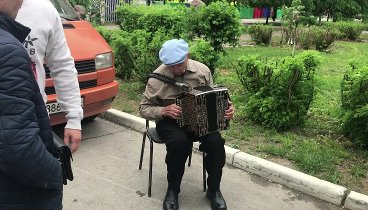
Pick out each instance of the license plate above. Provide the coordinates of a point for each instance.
(54, 107)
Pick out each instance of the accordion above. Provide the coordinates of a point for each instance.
(203, 110)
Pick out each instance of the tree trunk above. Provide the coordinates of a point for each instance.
(274, 13)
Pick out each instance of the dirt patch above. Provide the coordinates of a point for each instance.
(354, 180)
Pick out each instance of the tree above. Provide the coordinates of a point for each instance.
(337, 9)
(309, 6)
(290, 20)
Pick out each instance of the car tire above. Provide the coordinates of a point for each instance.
(90, 118)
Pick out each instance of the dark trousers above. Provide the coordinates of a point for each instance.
(178, 147)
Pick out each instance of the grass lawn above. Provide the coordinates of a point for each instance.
(316, 148)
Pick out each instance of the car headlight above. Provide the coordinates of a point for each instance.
(103, 61)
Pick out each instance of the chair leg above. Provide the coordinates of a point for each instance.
(150, 169)
(204, 172)
(142, 150)
(190, 157)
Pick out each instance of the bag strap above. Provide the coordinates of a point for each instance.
(183, 86)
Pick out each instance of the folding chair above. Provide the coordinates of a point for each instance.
(154, 138)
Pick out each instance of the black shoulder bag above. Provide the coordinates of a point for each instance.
(63, 153)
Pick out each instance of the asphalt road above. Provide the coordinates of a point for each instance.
(107, 177)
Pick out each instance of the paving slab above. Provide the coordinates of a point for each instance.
(107, 177)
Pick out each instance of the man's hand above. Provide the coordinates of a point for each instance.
(173, 111)
(229, 112)
(72, 138)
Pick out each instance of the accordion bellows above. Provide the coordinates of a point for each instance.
(203, 110)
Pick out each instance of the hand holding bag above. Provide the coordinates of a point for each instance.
(63, 153)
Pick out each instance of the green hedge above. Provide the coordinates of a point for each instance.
(217, 24)
(354, 99)
(136, 52)
(349, 30)
(316, 37)
(152, 18)
(202, 51)
(307, 21)
(260, 34)
(279, 93)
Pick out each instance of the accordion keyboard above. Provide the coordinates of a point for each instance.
(203, 111)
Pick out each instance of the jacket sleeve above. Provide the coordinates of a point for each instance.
(62, 70)
(150, 107)
(23, 155)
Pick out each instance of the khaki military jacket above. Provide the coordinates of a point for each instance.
(159, 94)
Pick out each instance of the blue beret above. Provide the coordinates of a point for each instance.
(174, 51)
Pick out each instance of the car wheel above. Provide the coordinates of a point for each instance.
(90, 118)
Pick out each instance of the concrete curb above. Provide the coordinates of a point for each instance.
(307, 184)
(294, 179)
(356, 201)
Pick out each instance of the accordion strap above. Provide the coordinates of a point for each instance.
(183, 86)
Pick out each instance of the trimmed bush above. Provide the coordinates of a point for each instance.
(307, 21)
(108, 35)
(217, 23)
(260, 34)
(316, 37)
(152, 18)
(348, 30)
(354, 99)
(202, 51)
(136, 53)
(324, 38)
(305, 38)
(278, 94)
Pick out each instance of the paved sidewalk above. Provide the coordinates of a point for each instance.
(307, 184)
(260, 20)
(107, 177)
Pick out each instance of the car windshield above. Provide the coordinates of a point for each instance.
(65, 10)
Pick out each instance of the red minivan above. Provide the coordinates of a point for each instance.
(94, 61)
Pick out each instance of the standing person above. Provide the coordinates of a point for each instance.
(274, 13)
(30, 177)
(47, 44)
(158, 104)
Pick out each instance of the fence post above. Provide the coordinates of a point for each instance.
(102, 11)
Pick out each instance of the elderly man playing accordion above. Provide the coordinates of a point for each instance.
(158, 104)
